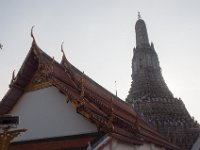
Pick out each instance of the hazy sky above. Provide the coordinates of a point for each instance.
(99, 37)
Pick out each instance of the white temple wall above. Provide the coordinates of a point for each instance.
(115, 145)
(45, 114)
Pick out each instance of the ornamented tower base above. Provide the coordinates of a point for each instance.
(152, 99)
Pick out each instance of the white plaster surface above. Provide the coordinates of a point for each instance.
(116, 145)
(45, 114)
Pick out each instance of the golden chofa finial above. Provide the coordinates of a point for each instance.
(32, 33)
(64, 59)
(139, 15)
(62, 49)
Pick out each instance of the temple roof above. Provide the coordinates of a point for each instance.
(108, 112)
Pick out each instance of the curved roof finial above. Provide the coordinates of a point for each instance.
(62, 48)
(32, 33)
(139, 15)
(64, 60)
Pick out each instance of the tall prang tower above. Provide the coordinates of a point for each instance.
(152, 99)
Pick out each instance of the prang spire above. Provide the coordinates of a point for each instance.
(151, 98)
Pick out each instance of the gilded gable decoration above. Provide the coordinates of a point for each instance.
(40, 79)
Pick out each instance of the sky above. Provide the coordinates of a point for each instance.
(99, 37)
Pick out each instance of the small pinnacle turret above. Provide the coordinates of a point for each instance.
(152, 99)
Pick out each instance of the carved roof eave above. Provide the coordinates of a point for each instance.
(97, 108)
(18, 83)
(96, 104)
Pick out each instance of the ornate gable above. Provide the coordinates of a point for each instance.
(39, 80)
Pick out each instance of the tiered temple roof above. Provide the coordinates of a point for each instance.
(152, 99)
(111, 115)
